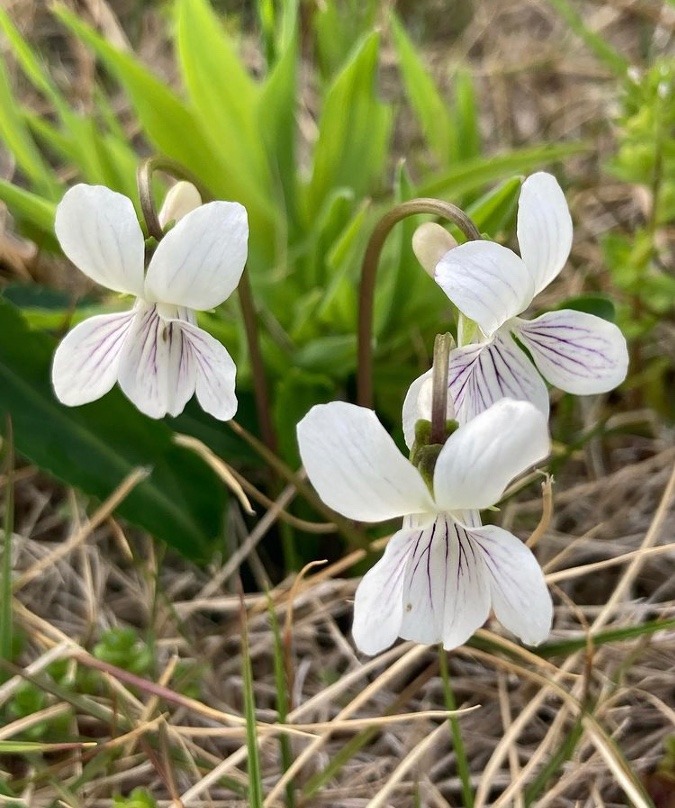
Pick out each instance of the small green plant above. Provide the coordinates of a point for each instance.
(123, 648)
(139, 798)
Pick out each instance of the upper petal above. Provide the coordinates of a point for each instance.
(98, 230)
(446, 592)
(215, 372)
(355, 466)
(544, 228)
(199, 262)
(520, 597)
(487, 282)
(479, 375)
(157, 371)
(576, 351)
(378, 602)
(86, 362)
(479, 460)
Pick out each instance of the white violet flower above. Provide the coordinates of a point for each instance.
(156, 351)
(443, 571)
(575, 351)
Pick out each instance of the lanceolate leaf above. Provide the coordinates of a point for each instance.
(95, 446)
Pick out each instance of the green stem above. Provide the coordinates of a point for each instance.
(6, 579)
(460, 751)
(439, 401)
(260, 389)
(369, 267)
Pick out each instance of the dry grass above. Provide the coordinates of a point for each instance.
(608, 552)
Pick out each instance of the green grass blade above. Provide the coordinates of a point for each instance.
(255, 790)
(28, 207)
(463, 769)
(600, 47)
(466, 116)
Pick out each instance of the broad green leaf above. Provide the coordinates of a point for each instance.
(95, 446)
(475, 174)
(295, 395)
(276, 123)
(221, 89)
(335, 355)
(354, 130)
(431, 109)
(596, 304)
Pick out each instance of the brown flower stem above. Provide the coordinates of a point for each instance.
(260, 388)
(439, 401)
(436, 207)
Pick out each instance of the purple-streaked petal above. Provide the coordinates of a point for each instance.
(481, 374)
(446, 594)
(215, 372)
(520, 598)
(98, 230)
(544, 228)
(157, 371)
(355, 466)
(481, 458)
(417, 405)
(199, 262)
(378, 602)
(576, 351)
(487, 282)
(87, 360)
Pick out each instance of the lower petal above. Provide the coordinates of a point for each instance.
(520, 598)
(446, 593)
(157, 370)
(215, 373)
(481, 374)
(576, 351)
(86, 362)
(378, 603)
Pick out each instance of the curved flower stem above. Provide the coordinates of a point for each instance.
(144, 180)
(436, 207)
(439, 401)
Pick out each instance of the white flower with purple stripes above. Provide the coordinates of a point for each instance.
(492, 286)
(443, 571)
(156, 351)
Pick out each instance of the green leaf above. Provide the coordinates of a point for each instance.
(28, 207)
(465, 109)
(354, 130)
(596, 304)
(18, 139)
(473, 175)
(297, 392)
(495, 209)
(94, 447)
(431, 108)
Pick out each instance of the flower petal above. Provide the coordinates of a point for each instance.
(199, 262)
(98, 230)
(215, 372)
(487, 282)
(479, 375)
(87, 360)
(576, 351)
(479, 460)
(378, 602)
(446, 590)
(520, 597)
(355, 466)
(157, 371)
(544, 228)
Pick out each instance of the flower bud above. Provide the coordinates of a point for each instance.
(430, 242)
(182, 198)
